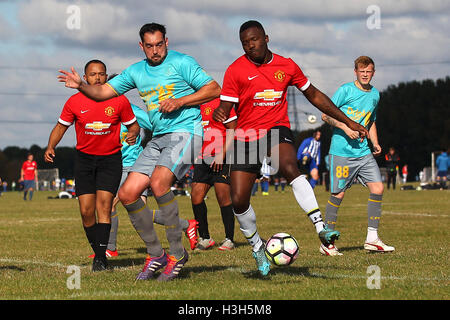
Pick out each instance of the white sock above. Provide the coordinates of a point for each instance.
(247, 222)
(372, 234)
(306, 198)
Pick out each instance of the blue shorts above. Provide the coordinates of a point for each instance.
(313, 165)
(442, 174)
(29, 184)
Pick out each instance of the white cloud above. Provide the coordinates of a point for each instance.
(322, 36)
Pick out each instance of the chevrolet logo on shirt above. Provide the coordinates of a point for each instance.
(268, 95)
(97, 126)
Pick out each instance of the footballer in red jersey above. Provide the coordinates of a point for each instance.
(97, 124)
(98, 160)
(28, 176)
(209, 171)
(256, 86)
(259, 92)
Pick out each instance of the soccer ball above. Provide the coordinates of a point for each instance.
(312, 118)
(282, 249)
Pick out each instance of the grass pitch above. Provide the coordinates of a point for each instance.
(41, 240)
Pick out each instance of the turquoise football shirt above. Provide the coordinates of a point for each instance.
(360, 106)
(131, 153)
(177, 76)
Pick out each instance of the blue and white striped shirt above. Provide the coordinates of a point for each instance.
(311, 147)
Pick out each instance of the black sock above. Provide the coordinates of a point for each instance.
(228, 221)
(91, 234)
(201, 215)
(103, 231)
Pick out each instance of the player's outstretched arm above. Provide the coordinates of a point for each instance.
(55, 137)
(222, 112)
(97, 93)
(208, 92)
(324, 104)
(333, 122)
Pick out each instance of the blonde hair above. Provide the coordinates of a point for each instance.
(364, 61)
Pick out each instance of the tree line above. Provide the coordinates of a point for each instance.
(413, 117)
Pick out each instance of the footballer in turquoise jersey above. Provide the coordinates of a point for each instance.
(361, 107)
(131, 152)
(179, 75)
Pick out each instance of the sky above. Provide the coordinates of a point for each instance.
(408, 40)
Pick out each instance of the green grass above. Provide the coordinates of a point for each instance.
(41, 238)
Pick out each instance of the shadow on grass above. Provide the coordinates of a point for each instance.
(351, 248)
(14, 268)
(288, 270)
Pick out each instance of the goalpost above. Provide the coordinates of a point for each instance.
(47, 178)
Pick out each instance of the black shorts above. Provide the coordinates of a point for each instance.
(248, 156)
(94, 173)
(203, 173)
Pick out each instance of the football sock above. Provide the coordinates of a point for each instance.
(265, 186)
(91, 235)
(103, 230)
(254, 189)
(306, 198)
(169, 209)
(30, 194)
(228, 221)
(141, 218)
(331, 212)
(313, 182)
(372, 234)
(201, 215)
(374, 216)
(247, 222)
(113, 234)
(159, 219)
(25, 195)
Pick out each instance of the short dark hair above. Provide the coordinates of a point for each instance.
(93, 61)
(152, 28)
(251, 24)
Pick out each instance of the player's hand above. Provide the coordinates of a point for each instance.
(71, 79)
(376, 150)
(363, 133)
(351, 134)
(220, 115)
(217, 164)
(130, 139)
(49, 155)
(169, 105)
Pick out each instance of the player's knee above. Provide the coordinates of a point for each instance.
(125, 195)
(377, 188)
(239, 205)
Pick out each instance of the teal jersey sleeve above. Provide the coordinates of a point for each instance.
(123, 82)
(193, 73)
(339, 97)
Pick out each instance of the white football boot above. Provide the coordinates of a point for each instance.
(329, 250)
(378, 246)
